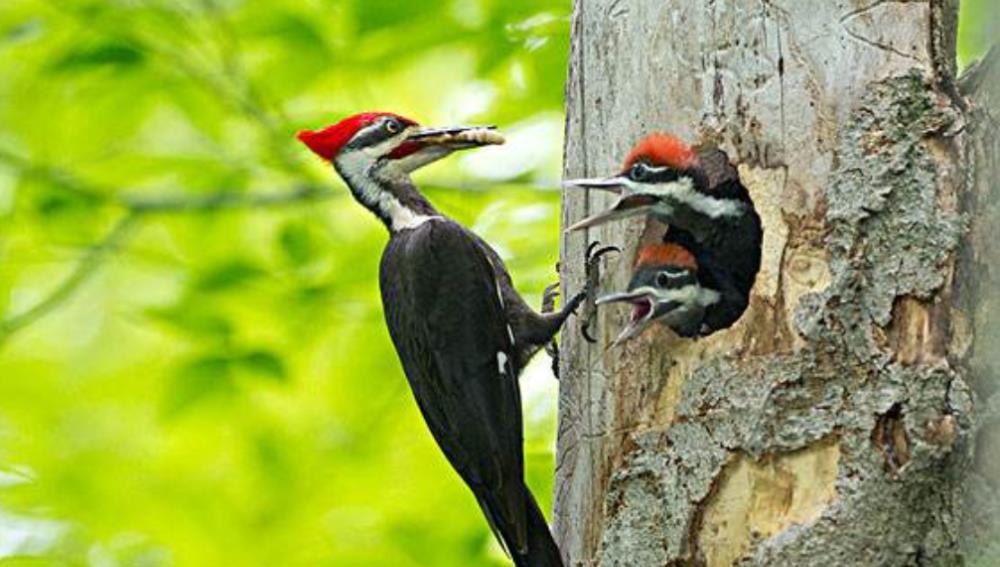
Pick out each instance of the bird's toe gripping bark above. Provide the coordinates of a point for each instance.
(549, 306)
(587, 296)
(549, 298)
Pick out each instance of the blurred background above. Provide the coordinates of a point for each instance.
(193, 364)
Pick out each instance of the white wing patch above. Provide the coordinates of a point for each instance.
(501, 362)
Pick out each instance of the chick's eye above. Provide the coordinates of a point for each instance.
(639, 172)
(392, 126)
(662, 279)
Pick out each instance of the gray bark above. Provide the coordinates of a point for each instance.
(845, 419)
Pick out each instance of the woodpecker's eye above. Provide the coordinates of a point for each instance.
(392, 126)
(639, 172)
(662, 279)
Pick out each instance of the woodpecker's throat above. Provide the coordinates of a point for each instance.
(385, 191)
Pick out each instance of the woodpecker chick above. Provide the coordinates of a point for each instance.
(462, 332)
(665, 288)
(698, 192)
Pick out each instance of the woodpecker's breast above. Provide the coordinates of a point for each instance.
(437, 281)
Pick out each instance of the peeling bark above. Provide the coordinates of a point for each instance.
(839, 421)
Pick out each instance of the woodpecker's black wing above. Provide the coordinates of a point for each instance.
(446, 319)
(715, 275)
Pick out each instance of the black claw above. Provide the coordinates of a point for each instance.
(594, 254)
(593, 257)
(552, 349)
(549, 298)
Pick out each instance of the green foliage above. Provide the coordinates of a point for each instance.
(978, 29)
(194, 368)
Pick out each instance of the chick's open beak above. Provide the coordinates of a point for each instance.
(627, 206)
(648, 305)
(612, 184)
(643, 308)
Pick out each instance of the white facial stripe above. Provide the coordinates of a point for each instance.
(354, 166)
(674, 273)
(385, 147)
(682, 191)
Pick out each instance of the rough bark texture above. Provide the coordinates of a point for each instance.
(837, 423)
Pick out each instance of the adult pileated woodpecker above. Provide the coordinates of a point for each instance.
(698, 193)
(461, 330)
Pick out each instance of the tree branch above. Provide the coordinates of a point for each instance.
(85, 268)
(226, 200)
(118, 236)
(54, 176)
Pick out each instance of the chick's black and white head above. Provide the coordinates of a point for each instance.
(663, 176)
(664, 288)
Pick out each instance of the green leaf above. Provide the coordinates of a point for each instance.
(230, 274)
(296, 243)
(265, 364)
(109, 54)
(194, 320)
(197, 381)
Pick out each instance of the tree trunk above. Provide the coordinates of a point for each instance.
(837, 422)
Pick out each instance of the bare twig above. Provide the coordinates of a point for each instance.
(118, 236)
(85, 269)
(54, 176)
(229, 83)
(227, 200)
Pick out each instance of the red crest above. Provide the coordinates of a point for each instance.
(662, 150)
(327, 143)
(666, 255)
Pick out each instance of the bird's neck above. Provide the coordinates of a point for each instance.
(390, 196)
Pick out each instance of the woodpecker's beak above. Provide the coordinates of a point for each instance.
(456, 137)
(646, 308)
(625, 207)
(422, 146)
(612, 184)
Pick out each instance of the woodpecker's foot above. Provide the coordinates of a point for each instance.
(552, 349)
(548, 307)
(549, 298)
(593, 273)
(594, 254)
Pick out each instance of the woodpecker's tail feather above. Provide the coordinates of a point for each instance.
(540, 549)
